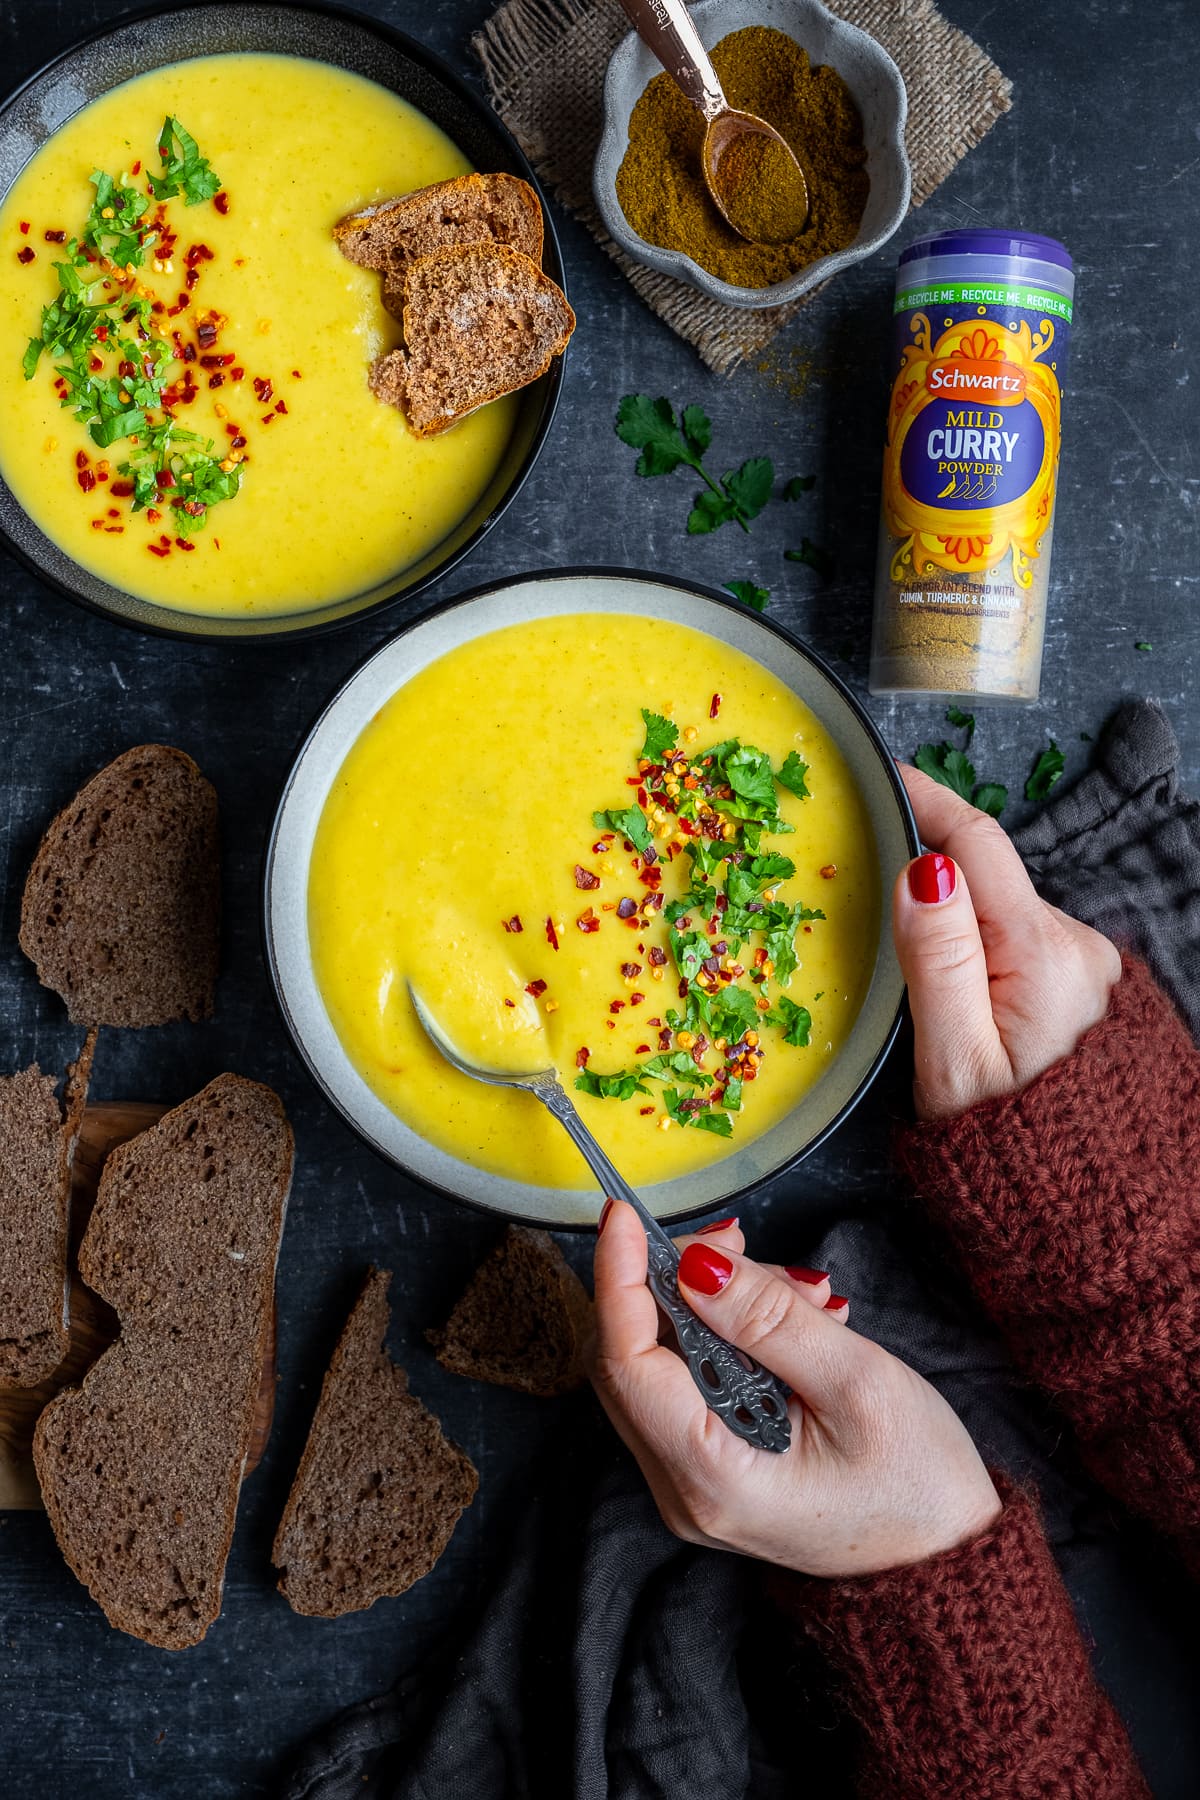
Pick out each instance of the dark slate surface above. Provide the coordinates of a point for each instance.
(1102, 149)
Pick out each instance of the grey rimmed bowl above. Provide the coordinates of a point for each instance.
(872, 78)
(348, 40)
(289, 853)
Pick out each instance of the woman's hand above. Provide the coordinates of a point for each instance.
(880, 1471)
(1000, 984)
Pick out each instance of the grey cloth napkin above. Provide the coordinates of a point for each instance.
(614, 1663)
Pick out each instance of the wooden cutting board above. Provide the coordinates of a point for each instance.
(93, 1323)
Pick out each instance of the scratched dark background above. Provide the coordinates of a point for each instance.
(1103, 150)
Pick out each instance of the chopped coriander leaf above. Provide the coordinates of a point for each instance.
(684, 1114)
(990, 797)
(964, 721)
(1045, 772)
(1143, 646)
(185, 171)
(746, 880)
(796, 1022)
(677, 1064)
(799, 484)
(630, 822)
(707, 856)
(622, 1086)
(113, 226)
(731, 1094)
(661, 735)
(750, 594)
(733, 1013)
(690, 950)
(792, 774)
(813, 557)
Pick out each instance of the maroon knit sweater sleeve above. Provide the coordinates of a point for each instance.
(1075, 1206)
(968, 1675)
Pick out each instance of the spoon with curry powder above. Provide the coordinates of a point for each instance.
(751, 173)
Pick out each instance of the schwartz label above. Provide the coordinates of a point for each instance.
(973, 436)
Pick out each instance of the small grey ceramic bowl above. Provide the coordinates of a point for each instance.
(289, 853)
(868, 71)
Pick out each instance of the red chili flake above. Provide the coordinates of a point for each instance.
(206, 334)
(633, 781)
(137, 167)
(157, 550)
(55, 237)
(184, 544)
(630, 970)
(153, 515)
(658, 956)
(97, 524)
(585, 879)
(239, 442)
(649, 855)
(181, 305)
(610, 1024)
(239, 374)
(655, 1022)
(188, 353)
(24, 227)
(110, 530)
(587, 921)
(616, 1006)
(26, 255)
(581, 1056)
(216, 543)
(536, 988)
(714, 706)
(86, 480)
(654, 902)
(166, 541)
(157, 308)
(636, 999)
(829, 871)
(626, 908)
(267, 419)
(165, 479)
(683, 987)
(760, 957)
(808, 931)
(191, 278)
(513, 924)
(646, 1112)
(643, 798)
(114, 512)
(264, 389)
(281, 407)
(651, 877)
(511, 1003)
(296, 375)
(599, 848)
(221, 202)
(664, 1038)
(551, 934)
(81, 459)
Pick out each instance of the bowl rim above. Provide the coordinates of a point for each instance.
(575, 571)
(443, 72)
(681, 266)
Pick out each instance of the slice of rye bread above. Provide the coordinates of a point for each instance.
(141, 1466)
(121, 908)
(379, 1489)
(471, 209)
(523, 1320)
(480, 320)
(37, 1145)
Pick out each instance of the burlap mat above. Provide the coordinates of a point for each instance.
(545, 63)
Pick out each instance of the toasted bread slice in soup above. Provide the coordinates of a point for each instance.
(379, 1489)
(121, 910)
(37, 1145)
(479, 321)
(471, 209)
(523, 1321)
(140, 1467)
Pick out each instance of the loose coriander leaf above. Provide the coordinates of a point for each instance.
(719, 1123)
(734, 1013)
(799, 484)
(697, 429)
(622, 1086)
(185, 171)
(948, 766)
(32, 357)
(991, 798)
(731, 1094)
(750, 486)
(749, 774)
(649, 426)
(1046, 771)
(964, 721)
(750, 594)
(792, 774)
(678, 1064)
(690, 949)
(1143, 646)
(709, 512)
(796, 1022)
(630, 822)
(661, 735)
(813, 556)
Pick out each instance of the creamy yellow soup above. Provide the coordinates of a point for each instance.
(337, 495)
(450, 839)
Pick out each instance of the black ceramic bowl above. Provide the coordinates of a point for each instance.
(347, 40)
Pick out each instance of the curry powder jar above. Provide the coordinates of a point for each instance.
(970, 469)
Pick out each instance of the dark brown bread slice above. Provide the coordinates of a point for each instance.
(122, 905)
(141, 1466)
(523, 1321)
(379, 1489)
(480, 320)
(37, 1143)
(472, 209)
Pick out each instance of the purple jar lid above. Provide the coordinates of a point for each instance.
(1028, 244)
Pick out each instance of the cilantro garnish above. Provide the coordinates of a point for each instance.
(1045, 772)
(631, 823)
(1143, 646)
(185, 171)
(113, 226)
(813, 557)
(622, 1086)
(697, 1113)
(661, 735)
(749, 594)
(792, 775)
(667, 443)
(796, 1021)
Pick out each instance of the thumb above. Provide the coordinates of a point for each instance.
(958, 1052)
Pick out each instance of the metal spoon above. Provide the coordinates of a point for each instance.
(666, 27)
(744, 1395)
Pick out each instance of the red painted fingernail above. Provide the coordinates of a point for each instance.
(813, 1277)
(719, 1225)
(931, 878)
(604, 1212)
(704, 1269)
(835, 1302)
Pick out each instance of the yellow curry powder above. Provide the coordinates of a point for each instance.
(660, 183)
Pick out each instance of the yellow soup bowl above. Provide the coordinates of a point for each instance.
(268, 331)
(449, 823)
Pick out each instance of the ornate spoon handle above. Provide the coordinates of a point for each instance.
(746, 1397)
